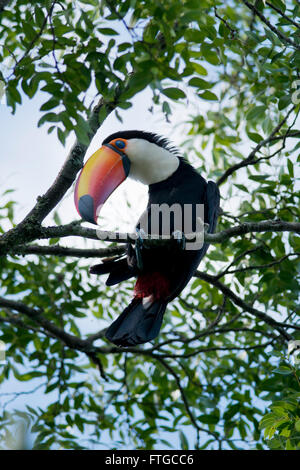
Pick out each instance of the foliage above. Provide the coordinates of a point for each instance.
(220, 359)
(281, 425)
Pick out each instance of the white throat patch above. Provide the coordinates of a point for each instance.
(150, 163)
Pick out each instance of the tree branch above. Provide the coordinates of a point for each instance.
(58, 250)
(282, 14)
(233, 31)
(209, 332)
(69, 340)
(37, 316)
(248, 308)
(3, 4)
(283, 38)
(121, 237)
(250, 160)
(36, 37)
(74, 229)
(257, 266)
(215, 348)
(184, 398)
(13, 319)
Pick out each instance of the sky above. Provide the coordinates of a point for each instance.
(31, 158)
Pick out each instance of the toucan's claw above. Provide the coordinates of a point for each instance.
(139, 243)
(179, 238)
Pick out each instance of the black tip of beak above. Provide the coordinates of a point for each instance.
(86, 208)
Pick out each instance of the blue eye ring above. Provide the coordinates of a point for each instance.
(120, 144)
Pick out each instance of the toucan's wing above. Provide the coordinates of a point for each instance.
(191, 259)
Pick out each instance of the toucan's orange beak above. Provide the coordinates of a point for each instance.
(101, 175)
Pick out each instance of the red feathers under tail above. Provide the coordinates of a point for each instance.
(152, 284)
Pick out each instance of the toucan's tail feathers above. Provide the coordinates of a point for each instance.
(137, 324)
(108, 266)
(118, 271)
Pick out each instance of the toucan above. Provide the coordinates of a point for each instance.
(164, 270)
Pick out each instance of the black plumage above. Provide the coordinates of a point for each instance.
(140, 323)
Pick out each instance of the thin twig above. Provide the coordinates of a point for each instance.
(281, 13)
(250, 160)
(283, 38)
(257, 266)
(248, 308)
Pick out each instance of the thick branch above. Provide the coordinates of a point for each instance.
(121, 237)
(58, 250)
(253, 227)
(37, 316)
(16, 321)
(74, 229)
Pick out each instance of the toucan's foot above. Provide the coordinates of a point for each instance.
(139, 243)
(179, 238)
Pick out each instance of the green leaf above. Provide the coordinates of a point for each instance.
(52, 103)
(48, 117)
(183, 441)
(284, 101)
(57, 218)
(173, 93)
(198, 68)
(255, 137)
(255, 113)
(209, 54)
(209, 96)
(297, 425)
(39, 16)
(108, 31)
(208, 419)
(283, 370)
(61, 136)
(290, 168)
(267, 125)
(200, 83)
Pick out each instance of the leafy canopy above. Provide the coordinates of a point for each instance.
(219, 375)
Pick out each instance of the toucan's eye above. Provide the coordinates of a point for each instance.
(120, 144)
